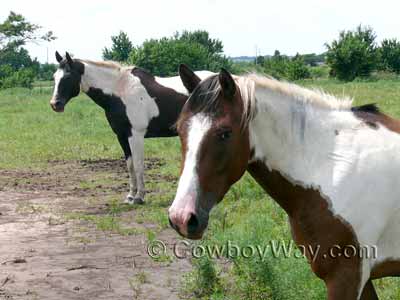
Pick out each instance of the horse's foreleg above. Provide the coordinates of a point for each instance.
(136, 143)
(347, 285)
(124, 142)
(132, 179)
(342, 289)
(369, 292)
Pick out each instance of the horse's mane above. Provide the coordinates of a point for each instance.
(315, 97)
(106, 64)
(206, 94)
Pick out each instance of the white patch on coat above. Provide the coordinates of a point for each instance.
(325, 147)
(176, 84)
(58, 75)
(188, 182)
(120, 82)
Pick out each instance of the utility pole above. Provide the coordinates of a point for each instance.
(256, 54)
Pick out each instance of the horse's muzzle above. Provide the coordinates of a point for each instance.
(57, 105)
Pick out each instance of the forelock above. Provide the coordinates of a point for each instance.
(77, 65)
(205, 96)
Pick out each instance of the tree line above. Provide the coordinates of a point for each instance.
(355, 53)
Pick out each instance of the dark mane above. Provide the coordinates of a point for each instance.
(371, 108)
(205, 95)
(142, 73)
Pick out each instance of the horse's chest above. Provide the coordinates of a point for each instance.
(119, 123)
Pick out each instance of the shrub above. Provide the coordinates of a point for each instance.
(163, 57)
(46, 71)
(297, 69)
(276, 65)
(389, 54)
(319, 71)
(280, 66)
(353, 54)
(20, 78)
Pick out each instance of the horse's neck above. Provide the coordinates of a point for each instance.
(296, 138)
(103, 78)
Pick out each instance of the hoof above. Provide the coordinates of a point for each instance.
(138, 200)
(129, 200)
(133, 200)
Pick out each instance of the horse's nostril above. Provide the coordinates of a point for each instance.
(192, 224)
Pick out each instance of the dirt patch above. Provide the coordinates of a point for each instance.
(46, 255)
(83, 178)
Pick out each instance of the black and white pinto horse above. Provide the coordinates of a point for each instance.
(137, 105)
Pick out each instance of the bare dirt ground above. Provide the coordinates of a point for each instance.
(46, 255)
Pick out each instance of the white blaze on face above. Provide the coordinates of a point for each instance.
(57, 78)
(188, 182)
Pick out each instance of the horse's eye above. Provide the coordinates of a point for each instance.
(225, 135)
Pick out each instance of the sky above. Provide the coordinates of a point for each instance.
(84, 27)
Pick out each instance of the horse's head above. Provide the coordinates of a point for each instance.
(215, 149)
(67, 80)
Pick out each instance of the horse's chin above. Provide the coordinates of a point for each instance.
(197, 236)
(191, 235)
(58, 109)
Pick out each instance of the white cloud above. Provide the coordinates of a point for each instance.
(85, 27)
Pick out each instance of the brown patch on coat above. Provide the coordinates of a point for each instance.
(313, 225)
(372, 117)
(387, 268)
(169, 103)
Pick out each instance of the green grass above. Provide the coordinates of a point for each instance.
(31, 135)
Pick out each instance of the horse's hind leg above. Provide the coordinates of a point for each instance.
(369, 292)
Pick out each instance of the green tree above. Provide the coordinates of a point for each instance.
(46, 71)
(389, 54)
(282, 66)
(17, 67)
(120, 49)
(297, 69)
(213, 46)
(276, 65)
(163, 56)
(17, 58)
(16, 31)
(353, 54)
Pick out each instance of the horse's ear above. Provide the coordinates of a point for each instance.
(189, 79)
(227, 83)
(69, 59)
(58, 57)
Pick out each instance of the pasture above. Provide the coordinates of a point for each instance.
(64, 231)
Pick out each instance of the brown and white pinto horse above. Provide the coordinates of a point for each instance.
(332, 167)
